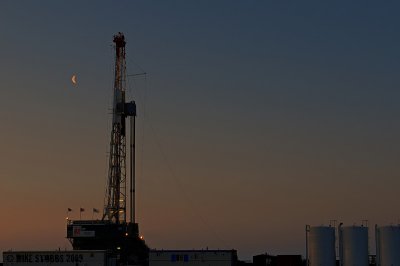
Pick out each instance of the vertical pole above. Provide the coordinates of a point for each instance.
(340, 236)
(307, 230)
(378, 247)
(132, 169)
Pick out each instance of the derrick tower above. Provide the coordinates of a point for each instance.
(115, 199)
(114, 232)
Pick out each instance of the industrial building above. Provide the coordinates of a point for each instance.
(192, 257)
(278, 260)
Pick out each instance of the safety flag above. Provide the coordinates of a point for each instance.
(82, 210)
(95, 210)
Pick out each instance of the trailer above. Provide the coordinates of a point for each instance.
(58, 258)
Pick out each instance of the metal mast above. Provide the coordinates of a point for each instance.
(114, 233)
(115, 201)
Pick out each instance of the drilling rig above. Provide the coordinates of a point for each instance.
(114, 232)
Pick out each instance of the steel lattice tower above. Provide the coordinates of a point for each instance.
(114, 233)
(115, 199)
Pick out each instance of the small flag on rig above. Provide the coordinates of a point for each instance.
(82, 210)
(69, 210)
(95, 210)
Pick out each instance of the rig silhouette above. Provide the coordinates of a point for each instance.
(114, 232)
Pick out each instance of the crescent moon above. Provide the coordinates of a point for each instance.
(73, 79)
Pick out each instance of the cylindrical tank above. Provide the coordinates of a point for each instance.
(321, 245)
(387, 245)
(353, 245)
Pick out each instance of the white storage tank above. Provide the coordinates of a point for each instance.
(321, 245)
(353, 245)
(387, 245)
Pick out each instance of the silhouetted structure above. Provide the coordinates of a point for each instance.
(279, 260)
(193, 257)
(372, 260)
(114, 233)
(263, 260)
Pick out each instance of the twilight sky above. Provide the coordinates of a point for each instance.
(256, 118)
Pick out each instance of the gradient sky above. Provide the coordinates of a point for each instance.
(256, 118)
